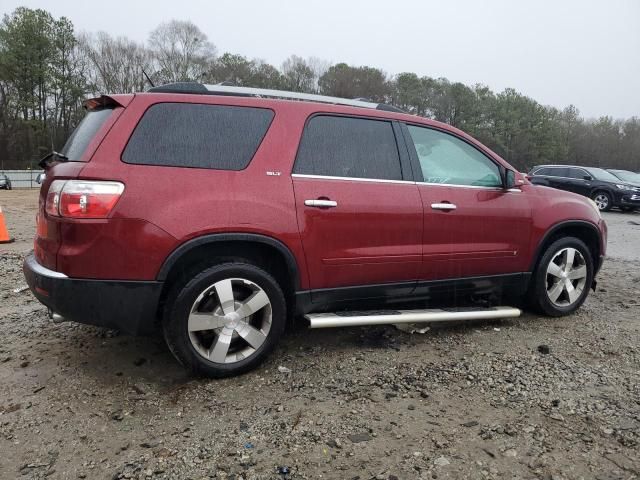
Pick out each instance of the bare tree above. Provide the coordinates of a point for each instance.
(319, 67)
(116, 64)
(298, 76)
(181, 51)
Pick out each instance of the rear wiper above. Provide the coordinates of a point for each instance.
(53, 156)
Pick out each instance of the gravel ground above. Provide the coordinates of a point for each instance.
(526, 398)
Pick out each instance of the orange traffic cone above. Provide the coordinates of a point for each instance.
(4, 233)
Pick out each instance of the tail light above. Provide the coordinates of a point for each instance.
(82, 198)
(53, 198)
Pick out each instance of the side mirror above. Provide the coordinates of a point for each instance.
(587, 177)
(509, 179)
(40, 178)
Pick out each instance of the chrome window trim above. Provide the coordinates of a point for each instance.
(455, 185)
(558, 176)
(354, 179)
(403, 182)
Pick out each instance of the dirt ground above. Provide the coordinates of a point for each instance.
(475, 401)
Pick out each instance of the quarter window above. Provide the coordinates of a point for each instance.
(201, 136)
(349, 147)
(448, 160)
(79, 140)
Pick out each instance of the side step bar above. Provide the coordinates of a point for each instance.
(386, 317)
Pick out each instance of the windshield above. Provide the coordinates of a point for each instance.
(626, 175)
(601, 174)
(84, 133)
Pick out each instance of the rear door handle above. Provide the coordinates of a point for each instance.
(443, 206)
(321, 203)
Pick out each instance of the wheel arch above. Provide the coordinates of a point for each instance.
(225, 244)
(603, 189)
(583, 230)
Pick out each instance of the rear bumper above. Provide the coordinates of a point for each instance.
(130, 306)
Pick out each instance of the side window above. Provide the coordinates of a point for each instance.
(576, 173)
(543, 172)
(200, 136)
(560, 172)
(81, 137)
(348, 147)
(447, 159)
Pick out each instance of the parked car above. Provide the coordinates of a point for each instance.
(220, 213)
(626, 176)
(5, 182)
(603, 187)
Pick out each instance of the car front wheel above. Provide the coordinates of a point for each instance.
(562, 279)
(225, 320)
(603, 201)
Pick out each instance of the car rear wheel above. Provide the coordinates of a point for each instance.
(562, 278)
(225, 320)
(603, 201)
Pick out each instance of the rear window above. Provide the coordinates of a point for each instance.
(349, 147)
(83, 134)
(198, 136)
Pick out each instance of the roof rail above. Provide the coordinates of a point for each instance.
(265, 92)
(219, 89)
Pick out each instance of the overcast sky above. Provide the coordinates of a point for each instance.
(560, 52)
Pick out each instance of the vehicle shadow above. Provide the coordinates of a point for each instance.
(110, 358)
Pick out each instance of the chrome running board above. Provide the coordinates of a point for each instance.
(387, 317)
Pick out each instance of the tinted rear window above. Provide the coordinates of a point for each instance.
(83, 134)
(199, 136)
(349, 147)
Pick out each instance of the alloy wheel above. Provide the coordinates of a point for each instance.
(230, 320)
(602, 201)
(566, 277)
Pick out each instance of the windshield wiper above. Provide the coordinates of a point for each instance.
(53, 156)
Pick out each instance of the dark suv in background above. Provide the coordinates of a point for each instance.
(626, 176)
(604, 188)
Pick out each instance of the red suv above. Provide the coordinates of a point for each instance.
(219, 213)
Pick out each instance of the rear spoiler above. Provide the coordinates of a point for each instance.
(107, 101)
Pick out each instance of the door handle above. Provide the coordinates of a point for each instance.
(443, 206)
(321, 203)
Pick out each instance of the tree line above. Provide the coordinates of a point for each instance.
(47, 69)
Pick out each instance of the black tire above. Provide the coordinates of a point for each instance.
(607, 202)
(183, 296)
(538, 296)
